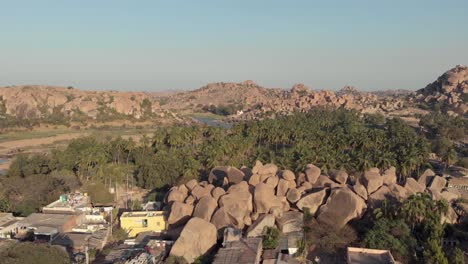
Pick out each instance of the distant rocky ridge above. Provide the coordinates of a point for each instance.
(245, 94)
(449, 91)
(36, 102)
(250, 199)
(300, 98)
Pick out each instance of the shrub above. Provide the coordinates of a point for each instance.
(270, 237)
(27, 252)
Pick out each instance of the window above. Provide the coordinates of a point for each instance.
(145, 222)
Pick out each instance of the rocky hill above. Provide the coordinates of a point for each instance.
(259, 102)
(301, 98)
(36, 102)
(245, 94)
(244, 101)
(448, 93)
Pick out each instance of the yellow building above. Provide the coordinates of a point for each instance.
(137, 222)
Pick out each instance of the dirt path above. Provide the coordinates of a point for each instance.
(11, 148)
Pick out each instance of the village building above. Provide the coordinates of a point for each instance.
(273, 256)
(8, 225)
(289, 242)
(244, 250)
(69, 204)
(147, 247)
(142, 221)
(369, 256)
(47, 226)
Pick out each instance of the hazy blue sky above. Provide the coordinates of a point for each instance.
(172, 44)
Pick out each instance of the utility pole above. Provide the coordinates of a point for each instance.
(111, 220)
(86, 255)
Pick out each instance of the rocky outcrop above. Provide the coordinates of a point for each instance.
(200, 191)
(265, 198)
(376, 198)
(176, 195)
(221, 174)
(392, 193)
(267, 169)
(217, 192)
(291, 221)
(360, 190)
(38, 101)
(312, 173)
(389, 176)
(179, 213)
(342, 206)
(372, 180)
(426, 178)
(437, 184)
(191, 184)
(334, 201)
(312, 201)
(256, 229)
(283, 187)
(237, 204)
(448, 90)
(288, 175)
(323, 182)
(450, 196)
(412, 186)
(340, 176)
(196, 239)
(294, 195)
(220, 218)
(205, 208)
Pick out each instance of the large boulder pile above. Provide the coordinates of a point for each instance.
(449, 89)
(265, 196)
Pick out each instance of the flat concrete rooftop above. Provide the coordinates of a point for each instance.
(143, 214)
(369, 256)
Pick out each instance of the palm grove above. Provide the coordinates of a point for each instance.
(330, 139)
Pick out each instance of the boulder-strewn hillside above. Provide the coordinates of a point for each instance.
(257, 102)
(301, 98)
(244, 94)
(39, 101)
(252, 199)
(449, 92)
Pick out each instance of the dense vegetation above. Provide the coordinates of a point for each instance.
(21, 253)
(447, 134)
(412, 230)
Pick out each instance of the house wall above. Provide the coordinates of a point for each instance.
(134, 224)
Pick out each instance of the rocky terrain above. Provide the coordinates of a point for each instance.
(32, 102)
(449, 92)
(301, 98)
(246, 94)
(250, 199)
(256, 102)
